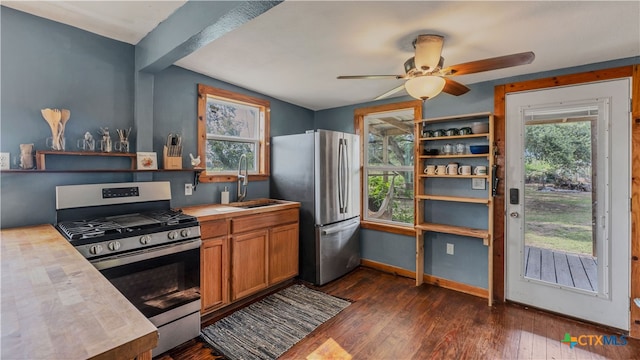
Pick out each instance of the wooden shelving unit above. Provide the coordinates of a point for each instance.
(41, 165)
(42, 155)
(470, 200)
(421, 196)
(452, 156)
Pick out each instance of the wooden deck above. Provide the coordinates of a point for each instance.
(575, 270)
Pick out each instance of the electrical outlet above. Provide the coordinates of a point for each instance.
(478, 184)
(449, 249)
(188, 189)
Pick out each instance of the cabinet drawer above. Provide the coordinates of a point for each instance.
(261, 221)
(209, 229)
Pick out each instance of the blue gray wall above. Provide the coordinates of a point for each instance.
(48, 64)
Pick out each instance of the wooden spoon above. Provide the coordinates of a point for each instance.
(48, 115)
(64, 117)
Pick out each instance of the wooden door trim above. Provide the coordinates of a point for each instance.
(358, 126)
(500, 93)
(634, 327)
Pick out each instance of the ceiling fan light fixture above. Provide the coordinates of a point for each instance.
(428, 50)
(424, 87)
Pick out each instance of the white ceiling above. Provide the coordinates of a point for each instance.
(294, 51)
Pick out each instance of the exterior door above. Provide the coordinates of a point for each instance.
(567, 200)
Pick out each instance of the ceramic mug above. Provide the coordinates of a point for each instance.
(480, 170)
(465, 131)
(452, 132)
(464, 170)
(430, 170)
(461, 148)
(447, 149)
(439, 132)
(441, 170)
(452, 169)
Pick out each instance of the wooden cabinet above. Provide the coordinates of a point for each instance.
(471, 190)
(249, 263)
(245, 251)
(264, 251)
(283, 253)
(214, 265)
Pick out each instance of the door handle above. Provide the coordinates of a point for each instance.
(340, 228)
(514, 214)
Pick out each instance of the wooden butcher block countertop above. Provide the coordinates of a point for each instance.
(56, 305)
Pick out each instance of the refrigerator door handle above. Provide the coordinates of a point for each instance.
(346, 180)
(340, 228)
(340, 176)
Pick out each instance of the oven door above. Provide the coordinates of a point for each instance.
(164, 284)
(159, 279)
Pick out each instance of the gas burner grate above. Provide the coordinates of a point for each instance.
(170, 217)
(84, 229)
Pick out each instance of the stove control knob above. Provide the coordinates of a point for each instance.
(146, 239)
(172, 235)
(185, 233)
(95, 249)
(114, 245)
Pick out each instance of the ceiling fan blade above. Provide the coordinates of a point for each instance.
(390, 92)
(454, 88)
(371, 77)
(428, 50)
(495, 63)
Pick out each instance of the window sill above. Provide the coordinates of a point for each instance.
(395, 229)
(229, 177)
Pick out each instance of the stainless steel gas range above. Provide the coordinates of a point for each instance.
(148, 251)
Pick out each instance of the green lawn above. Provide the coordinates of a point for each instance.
(558, 220)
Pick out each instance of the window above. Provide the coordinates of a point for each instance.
(230, 125)
(387, 140)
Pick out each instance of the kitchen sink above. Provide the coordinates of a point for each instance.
(255, 203)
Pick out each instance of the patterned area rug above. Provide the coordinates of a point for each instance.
(268, 328)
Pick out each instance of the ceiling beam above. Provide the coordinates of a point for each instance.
(192, 26)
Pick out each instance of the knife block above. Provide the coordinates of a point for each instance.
(171, 162)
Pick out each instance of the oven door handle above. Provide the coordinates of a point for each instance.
(146, 254)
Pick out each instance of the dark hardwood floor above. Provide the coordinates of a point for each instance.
(390, 318)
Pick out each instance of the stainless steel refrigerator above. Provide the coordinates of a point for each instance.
(321, 170)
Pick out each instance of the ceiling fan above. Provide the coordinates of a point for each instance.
(426, 77)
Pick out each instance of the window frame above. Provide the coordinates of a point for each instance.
(359, 125)
(263, 144)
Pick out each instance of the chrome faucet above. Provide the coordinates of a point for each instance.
(243, 180)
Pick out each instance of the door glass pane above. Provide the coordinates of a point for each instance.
(560, 198)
